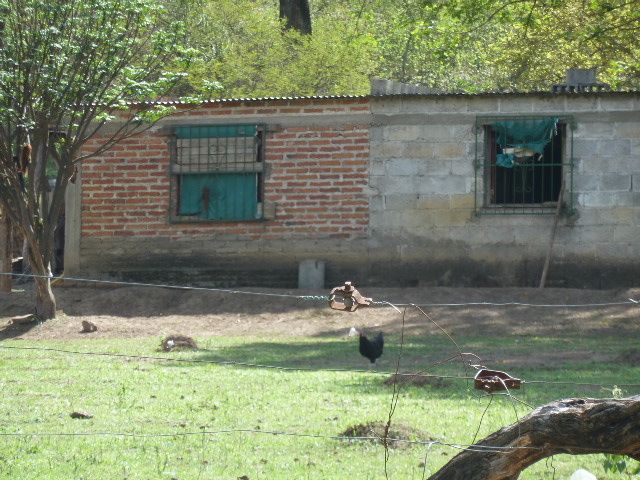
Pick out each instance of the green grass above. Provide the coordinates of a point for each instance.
(40, 389)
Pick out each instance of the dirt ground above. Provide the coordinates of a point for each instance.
(129, 312)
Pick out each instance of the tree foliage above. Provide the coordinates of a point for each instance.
(245, 51)
(67, 69)
(544, 38)
(470, 45)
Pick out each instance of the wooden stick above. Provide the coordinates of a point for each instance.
(547, 261)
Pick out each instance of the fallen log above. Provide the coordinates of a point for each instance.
(575, 426)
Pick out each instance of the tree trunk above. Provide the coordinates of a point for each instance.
(297, 15)
(45, 301)
(574, 426)
(6, 252)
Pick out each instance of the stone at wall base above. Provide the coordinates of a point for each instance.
(311, 274)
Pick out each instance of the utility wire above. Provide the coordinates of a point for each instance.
(629, 302)
(307, 369)
(224, 362)
(476, 448)
(174, 287)
(323, 298)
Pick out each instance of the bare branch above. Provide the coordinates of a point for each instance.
(573, 426)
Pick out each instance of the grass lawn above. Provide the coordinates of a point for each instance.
(125, 395)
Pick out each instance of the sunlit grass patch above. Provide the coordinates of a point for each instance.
(175, 418)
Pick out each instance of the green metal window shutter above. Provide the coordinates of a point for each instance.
(226, 196)
(216, 131)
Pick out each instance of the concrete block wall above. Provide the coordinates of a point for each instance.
(316, 186)
(423, 213)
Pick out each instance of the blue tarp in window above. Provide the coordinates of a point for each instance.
(529, 134)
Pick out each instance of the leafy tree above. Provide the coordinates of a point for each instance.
(68, 70)
(533, 42)
(469, 45)
(244, 52)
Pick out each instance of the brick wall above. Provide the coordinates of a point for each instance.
(317, 175)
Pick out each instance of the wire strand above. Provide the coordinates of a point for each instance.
(477, 448)
(395, 396)
(305, 369)
(223, 362)
(381, 303)
(173, 287)
(629, 302)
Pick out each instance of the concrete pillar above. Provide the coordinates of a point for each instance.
(72, 225)
(311, 274)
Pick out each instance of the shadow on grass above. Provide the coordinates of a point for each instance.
(418, 356)
(341, 353)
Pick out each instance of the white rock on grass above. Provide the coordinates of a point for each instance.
(582, 474)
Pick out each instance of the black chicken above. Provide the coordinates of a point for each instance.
(371, 349)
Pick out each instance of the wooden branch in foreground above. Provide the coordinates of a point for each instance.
(574, 426)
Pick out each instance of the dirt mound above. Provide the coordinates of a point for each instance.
(178, 342)
(417, 380)
(398, 433)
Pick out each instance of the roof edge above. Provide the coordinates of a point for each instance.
(392, 95)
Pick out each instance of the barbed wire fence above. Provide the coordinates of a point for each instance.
(385, 439)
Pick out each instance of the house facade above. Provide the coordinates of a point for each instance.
(402, 190)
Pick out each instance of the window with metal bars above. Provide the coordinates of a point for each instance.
(217, 172)
(524, 165)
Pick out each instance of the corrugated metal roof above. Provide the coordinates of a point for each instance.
(505, 93)
(394, 95)
(254, 99)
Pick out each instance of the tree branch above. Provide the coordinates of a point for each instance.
(574, 426)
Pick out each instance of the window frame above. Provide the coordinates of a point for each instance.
(174, 174)
(483, 167)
